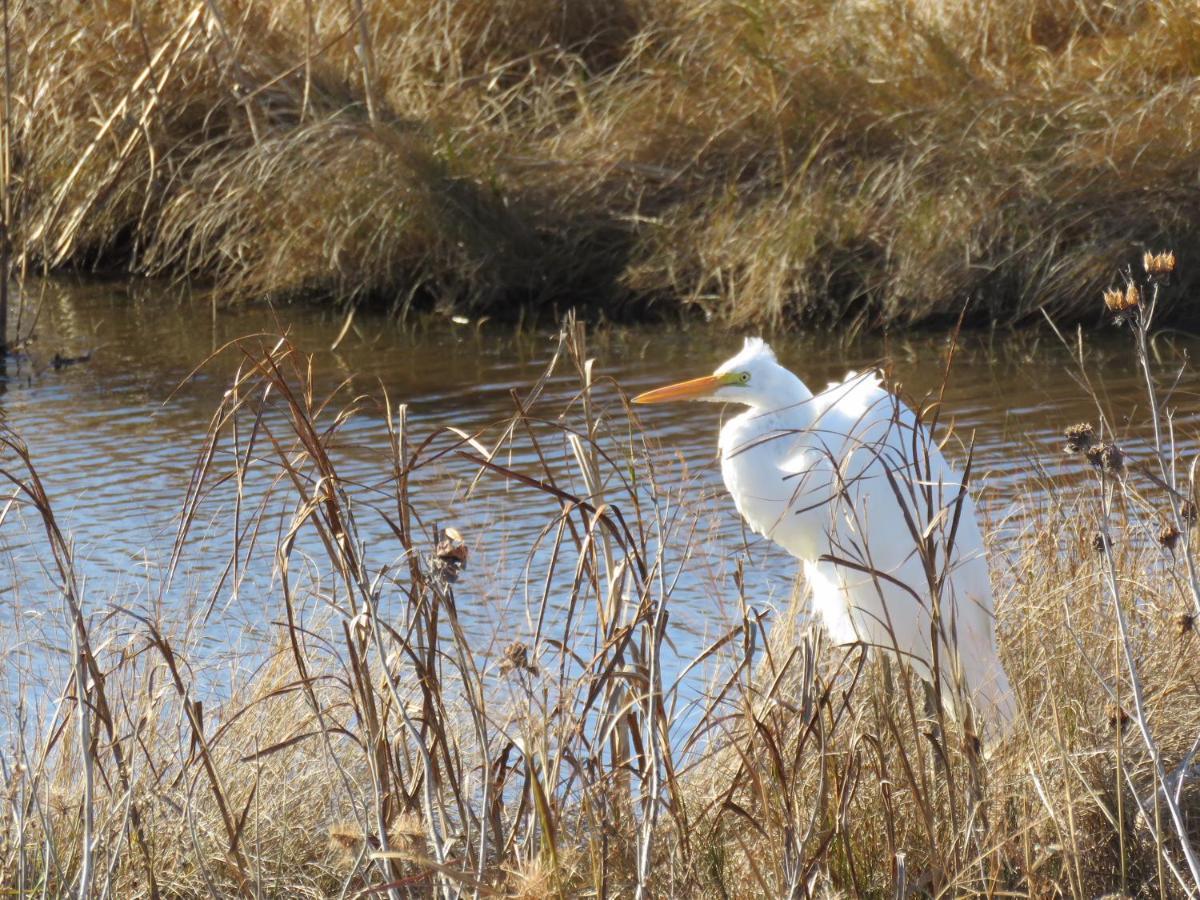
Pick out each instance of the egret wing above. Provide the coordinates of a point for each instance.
(896, 529)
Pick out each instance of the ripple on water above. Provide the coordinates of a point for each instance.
(115, 440)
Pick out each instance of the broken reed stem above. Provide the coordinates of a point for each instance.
(366, 58)
(87, 757)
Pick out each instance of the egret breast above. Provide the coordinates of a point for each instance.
(777, 500)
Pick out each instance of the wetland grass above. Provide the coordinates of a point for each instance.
(369, 748)
(766, 164)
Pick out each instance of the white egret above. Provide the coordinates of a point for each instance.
(849, 482)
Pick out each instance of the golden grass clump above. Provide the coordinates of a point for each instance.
(766, 163)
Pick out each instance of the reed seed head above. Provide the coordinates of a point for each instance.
(1159, 266)
(535, 879)
(1080, 437)
(1106, 457)
(407, 833)
(1168, 536)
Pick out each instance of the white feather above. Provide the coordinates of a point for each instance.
(833, 478)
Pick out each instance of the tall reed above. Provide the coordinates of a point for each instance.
(370, 745)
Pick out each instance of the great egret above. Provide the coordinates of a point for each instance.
(849, 482)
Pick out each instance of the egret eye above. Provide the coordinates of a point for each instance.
(744, 377)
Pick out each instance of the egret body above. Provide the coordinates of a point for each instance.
(849, 482)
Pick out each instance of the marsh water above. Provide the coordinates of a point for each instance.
(116, 437)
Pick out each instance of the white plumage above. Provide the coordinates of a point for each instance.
(846, 480)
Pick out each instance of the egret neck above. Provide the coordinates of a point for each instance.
(757, 443)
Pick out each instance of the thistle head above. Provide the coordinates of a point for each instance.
(1080, 437)
(1168, 536)
(1159, 266)
(1106, 457)
(1123, 302)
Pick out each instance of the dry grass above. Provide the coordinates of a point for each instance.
(873, 162)
(372, 748)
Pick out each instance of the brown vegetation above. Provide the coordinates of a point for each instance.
(767, 163)
(375, 750)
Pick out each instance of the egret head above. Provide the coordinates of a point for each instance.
(751, 377)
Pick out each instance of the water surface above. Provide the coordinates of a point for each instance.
(116, 438)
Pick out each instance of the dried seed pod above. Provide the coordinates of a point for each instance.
(1080, 437)
(1159, 266)
(1185, 623)
(1120, 300)
(1107, 457)
(1168, 535)
(1187, 512)
(1123, 302)
(1117, 716)
(516, 658)
(450, 555)
(1100, 543)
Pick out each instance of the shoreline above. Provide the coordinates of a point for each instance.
(770, 167)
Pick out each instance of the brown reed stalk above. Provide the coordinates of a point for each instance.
(6, 209)
(379, 746)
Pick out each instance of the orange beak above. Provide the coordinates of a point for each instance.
(685, 390)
